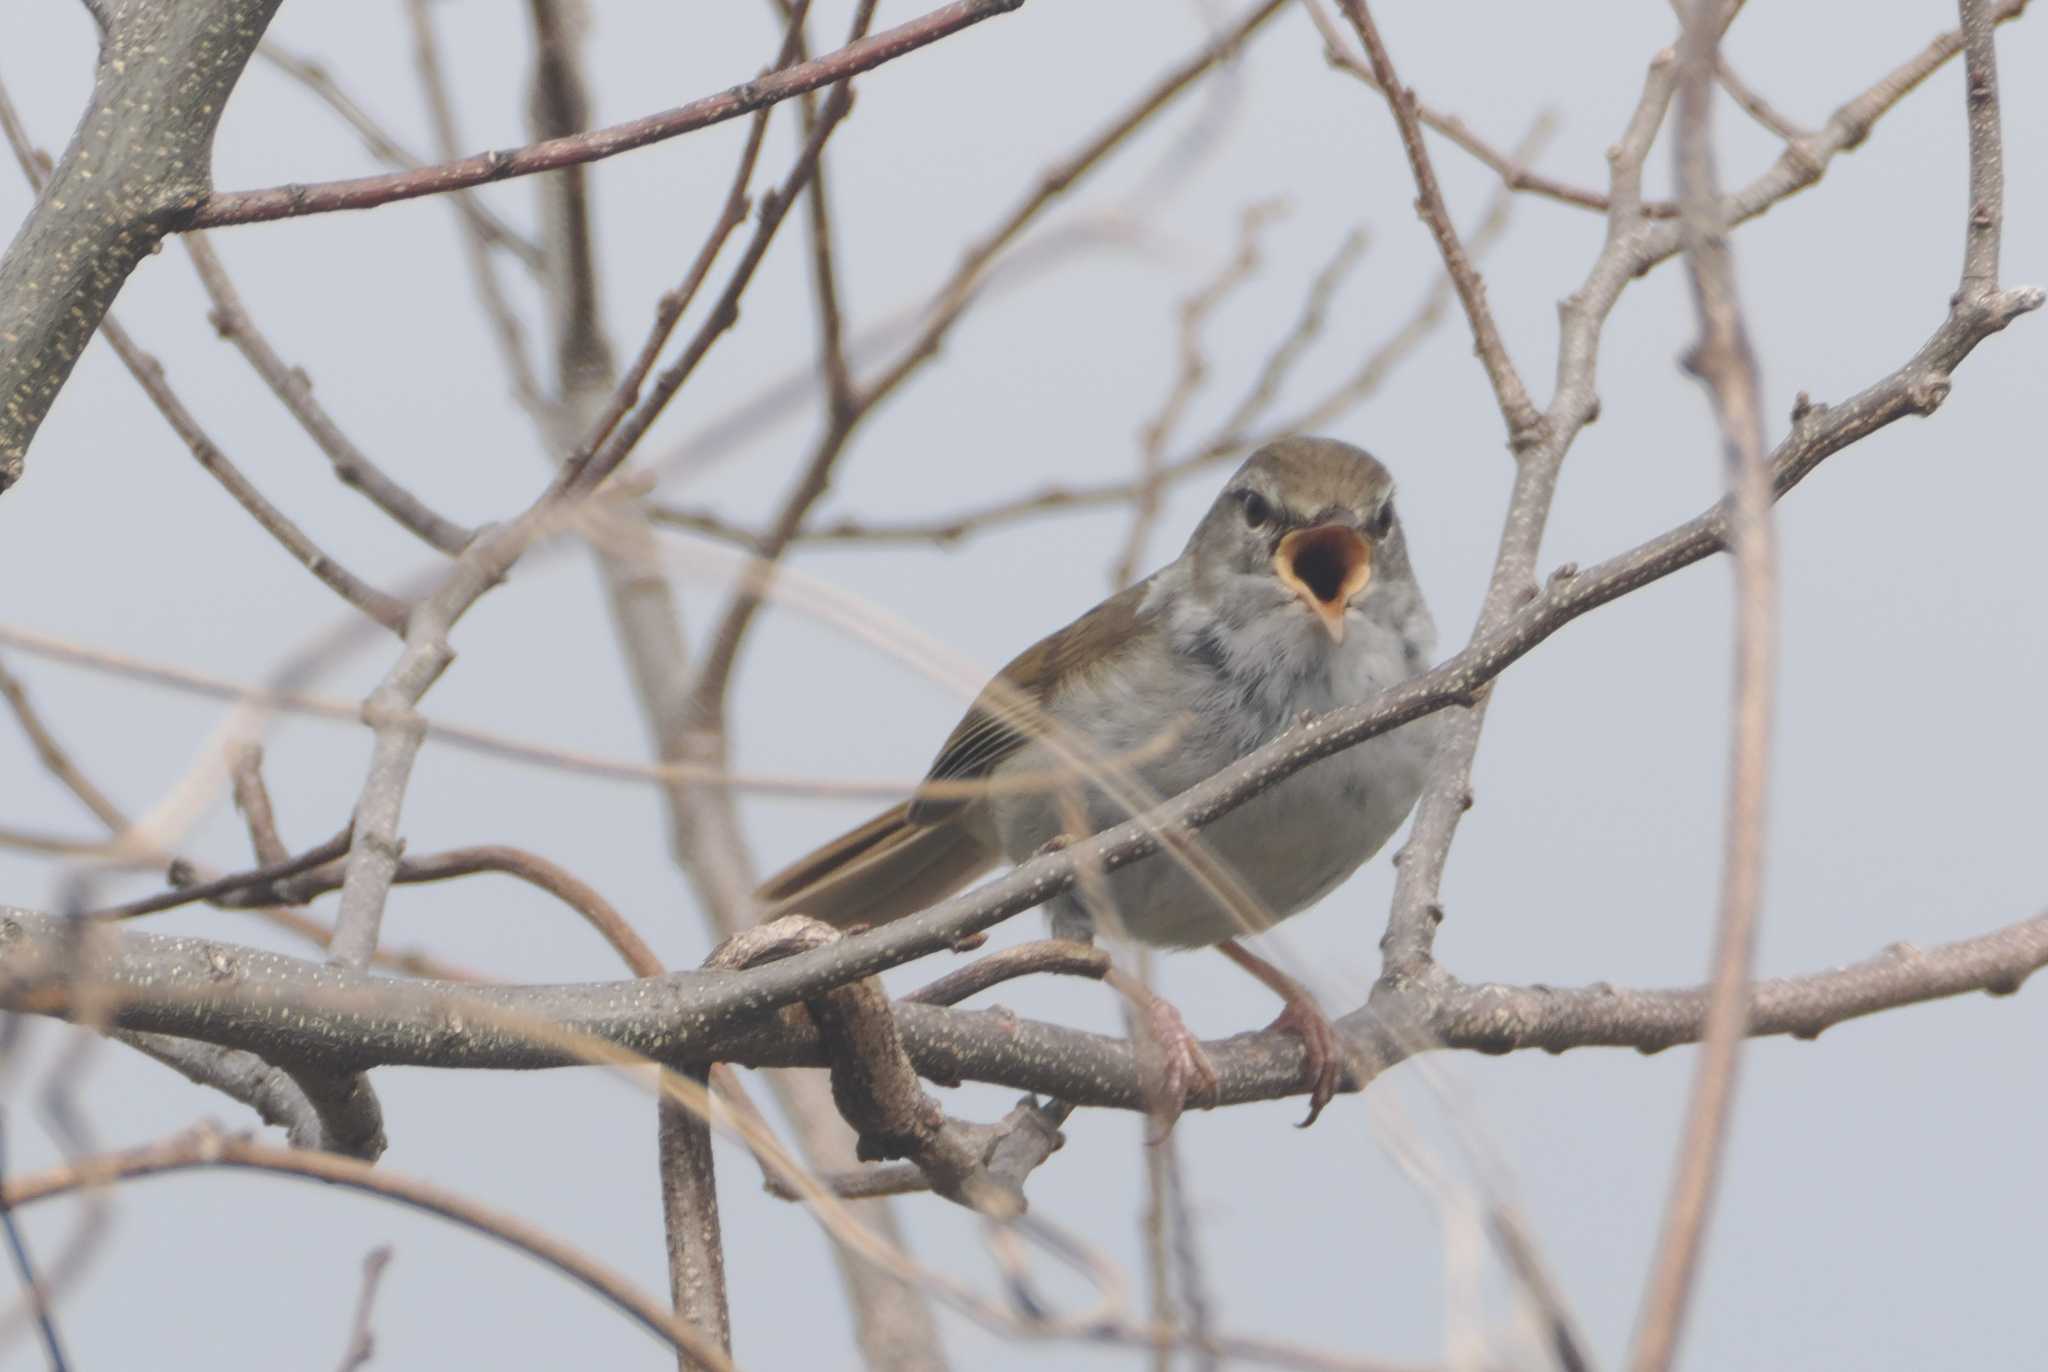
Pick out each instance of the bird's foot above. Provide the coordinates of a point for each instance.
(1322, 1046)
(1323, 1072)
(1185, 1071)
(1173, 1068)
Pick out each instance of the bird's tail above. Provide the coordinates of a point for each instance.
(883, 870)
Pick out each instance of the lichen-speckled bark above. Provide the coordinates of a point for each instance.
(140, 161)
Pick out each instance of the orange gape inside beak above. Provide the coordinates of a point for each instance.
(1325, 566)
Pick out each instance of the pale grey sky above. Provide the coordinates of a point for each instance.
(1884, 1193)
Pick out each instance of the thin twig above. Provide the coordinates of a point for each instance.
(1416, 910)
(149, 373)
(953, 297)
(286, 202)
(1512, 168)
(503, 319)
(1188, 377)
(294, 388)
(383, 146)
(265, 878)
(1525, 424)
(385, 609)
(33, 1289)
(1060, 956)
(206, 1149)
(602, 454)
(1232, 439)
(252, 799)
(56, 761)
(361, 1344)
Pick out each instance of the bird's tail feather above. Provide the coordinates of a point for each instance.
(883, 870)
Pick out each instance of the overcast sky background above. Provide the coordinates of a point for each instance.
(1884, 1196)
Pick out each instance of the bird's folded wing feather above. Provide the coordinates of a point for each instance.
(922, 851)
(1011, 710)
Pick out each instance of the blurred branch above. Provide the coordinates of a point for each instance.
(361, 1344)
(893, 1320)
(56, 761)
(284, 202)
(205, 1149)
(1232, 439)
(1725, 362)
(1188, 377)
(959, 290)
(1512, 168)
(36, 1293)
(506, 330)
(252, 801)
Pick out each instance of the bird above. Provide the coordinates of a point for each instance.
(1293, 596)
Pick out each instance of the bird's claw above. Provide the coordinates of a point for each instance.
(1183, 1072)
(1323, 1050)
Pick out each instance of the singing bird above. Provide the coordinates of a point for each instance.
(1293, 596)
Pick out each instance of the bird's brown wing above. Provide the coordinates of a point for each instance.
(920, 852)
(1010, 710)
(886, 868)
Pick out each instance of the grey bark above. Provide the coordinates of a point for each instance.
(140, 162)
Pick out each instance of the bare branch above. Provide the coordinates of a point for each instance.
(1187, 383)
(252, 799)
(316, 1110)
(347, 1020)
(1512, 168)
(361, 1344)
(204, 1149)
(141, 161)
(55, 759)
(1725, 362)
(315, 77)
(285, 202)
(35, 1291)
(1525, 425)
(149, 372)
(690, 1222)
(506, 330)
(1056, 955)
(951, 300)
(293, 387)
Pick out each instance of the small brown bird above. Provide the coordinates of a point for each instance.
(1294, 595)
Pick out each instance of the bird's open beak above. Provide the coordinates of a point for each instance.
(1326, 566)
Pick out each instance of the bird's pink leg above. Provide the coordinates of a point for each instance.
(1301, 1017)
(1184, 1070)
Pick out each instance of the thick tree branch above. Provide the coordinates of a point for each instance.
(140, 161)
(313, 1015)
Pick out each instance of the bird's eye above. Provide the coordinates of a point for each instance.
(1382, 521)
(1257, 511)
